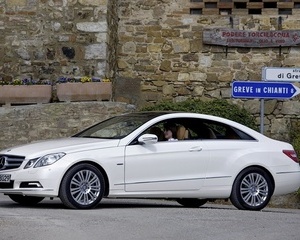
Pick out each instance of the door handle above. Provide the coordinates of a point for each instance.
(195, 149)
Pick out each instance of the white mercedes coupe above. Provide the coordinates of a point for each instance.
(128, 157)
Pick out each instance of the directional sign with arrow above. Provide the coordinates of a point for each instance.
(264, 90)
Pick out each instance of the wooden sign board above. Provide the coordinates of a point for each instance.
(246, 38)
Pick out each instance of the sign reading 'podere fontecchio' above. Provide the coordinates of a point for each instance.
(247, 38)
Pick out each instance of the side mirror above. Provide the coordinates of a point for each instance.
(148, 138)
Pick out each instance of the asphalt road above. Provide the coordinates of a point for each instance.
(144, 219)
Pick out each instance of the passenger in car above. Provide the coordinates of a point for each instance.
(170, 131)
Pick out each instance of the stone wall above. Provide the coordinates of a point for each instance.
(23, 124)
(49, 39)
(151, 49)
(161, 51)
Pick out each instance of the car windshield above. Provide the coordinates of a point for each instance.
(116, 127)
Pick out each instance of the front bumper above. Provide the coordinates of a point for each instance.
(42, 182)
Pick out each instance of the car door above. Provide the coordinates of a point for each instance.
(228, 146)
(165, 166)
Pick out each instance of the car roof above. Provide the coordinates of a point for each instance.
(152, 113)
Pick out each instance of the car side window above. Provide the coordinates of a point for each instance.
(223, 131)
(196, 129)
(208, 129)
(174, 127)
(157, 130)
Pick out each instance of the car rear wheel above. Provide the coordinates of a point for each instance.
(252, 189)
(82, 187)
(25, 200)
(191, 202)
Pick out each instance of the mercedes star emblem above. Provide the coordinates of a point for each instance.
(2, 162)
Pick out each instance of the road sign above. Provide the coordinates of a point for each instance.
(264, 90)
(281, 74)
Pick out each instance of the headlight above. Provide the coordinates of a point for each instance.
(45, 160)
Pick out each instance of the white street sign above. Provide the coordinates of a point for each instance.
(281, 74)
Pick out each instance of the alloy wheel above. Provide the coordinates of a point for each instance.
(85, 187)
(254, 189)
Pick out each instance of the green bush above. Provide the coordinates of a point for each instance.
(295, 141)
(220, 108)
(295, 137)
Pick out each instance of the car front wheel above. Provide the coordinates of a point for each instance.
(252, 189)
(25, 200)
(191, 202)
(82, 187)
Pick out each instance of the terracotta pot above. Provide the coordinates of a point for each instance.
(90, 91)
(25, 94)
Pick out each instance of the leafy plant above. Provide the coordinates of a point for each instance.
(295, 136)
(295, 141)
(220, 108)
(83, 79)
(24, 81)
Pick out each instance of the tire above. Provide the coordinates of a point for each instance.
(82, 187)
(25, 200)
(191, 202)
(252, 189)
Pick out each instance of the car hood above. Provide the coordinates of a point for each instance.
(67, 145)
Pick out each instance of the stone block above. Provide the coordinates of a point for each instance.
(226, 77)
(253, 106)
(169, 33)
(196, 45)
(183, 77)
(190, 57)
(183, 91)
(197, 76)
(181, 45)
(16, 3)
(93, 2)
(290, 108)
(129, 47)
(226, 93)
(122, 64)
(95, 51)
(93, 27)
(211, 77)
(154, 48)
(151, 96)
(198, 91)
(168, 90)
(270, 106)
(165, 66)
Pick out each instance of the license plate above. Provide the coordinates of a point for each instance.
(4, 177)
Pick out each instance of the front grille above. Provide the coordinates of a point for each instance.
(7, 185)
(10, 162)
